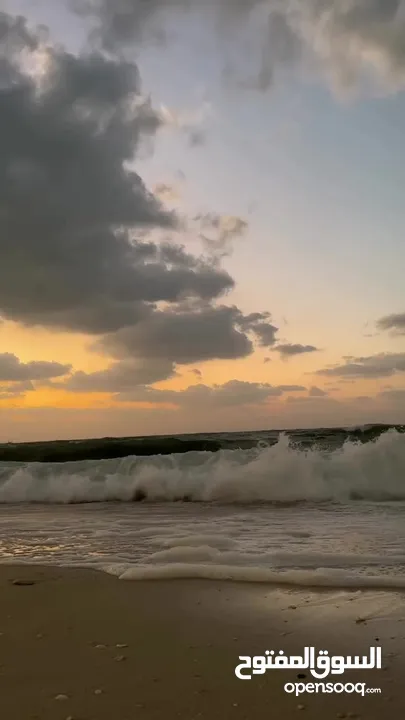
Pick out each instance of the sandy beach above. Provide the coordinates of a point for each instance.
(83, 645)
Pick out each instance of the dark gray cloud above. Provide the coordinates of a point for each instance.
(232, 393)
(189, 335)
(13, 370)
(395, 322)
(183, 337)
(342, 39)
(373, 366)
(75, 218)
(291, 350)
(260, 325)
(70, 206)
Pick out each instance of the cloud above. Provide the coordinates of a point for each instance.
(395, 322)
(232, 393)
(73, 208)
(374, 366)
(13, 370)
(74, 250)
(131, 381)
(346, 41)
(15, 390)
(75, 217)
(218, 232)
(189, 335)
(317, 392)
(260, 325)
(183, 337)
(119, 377)
(290, 350)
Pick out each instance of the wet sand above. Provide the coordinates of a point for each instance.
(115, 650)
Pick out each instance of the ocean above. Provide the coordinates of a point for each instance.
(309, 508)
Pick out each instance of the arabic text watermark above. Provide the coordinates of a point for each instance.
(320, 667)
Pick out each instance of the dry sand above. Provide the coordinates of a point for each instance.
(168, 649)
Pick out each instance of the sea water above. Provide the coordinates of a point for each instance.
(277, 513)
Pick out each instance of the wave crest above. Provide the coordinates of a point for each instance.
(374, 471)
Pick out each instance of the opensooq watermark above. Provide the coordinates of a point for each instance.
(320, 665)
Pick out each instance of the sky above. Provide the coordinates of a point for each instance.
(201, 216)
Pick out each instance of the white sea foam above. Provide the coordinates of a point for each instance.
(301, 578)
(207, 553)
(353, 545)
(374, 471)
(219, 542)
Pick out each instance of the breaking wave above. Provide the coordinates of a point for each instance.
(281, 473)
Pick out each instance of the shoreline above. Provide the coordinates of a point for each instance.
(300, 580)
(162, 649)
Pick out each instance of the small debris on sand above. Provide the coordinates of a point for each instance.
(120, 658)
(23, 582)
(98, 691)
(61, 697)
(360, 620)
(121, 645)
(300, 707)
